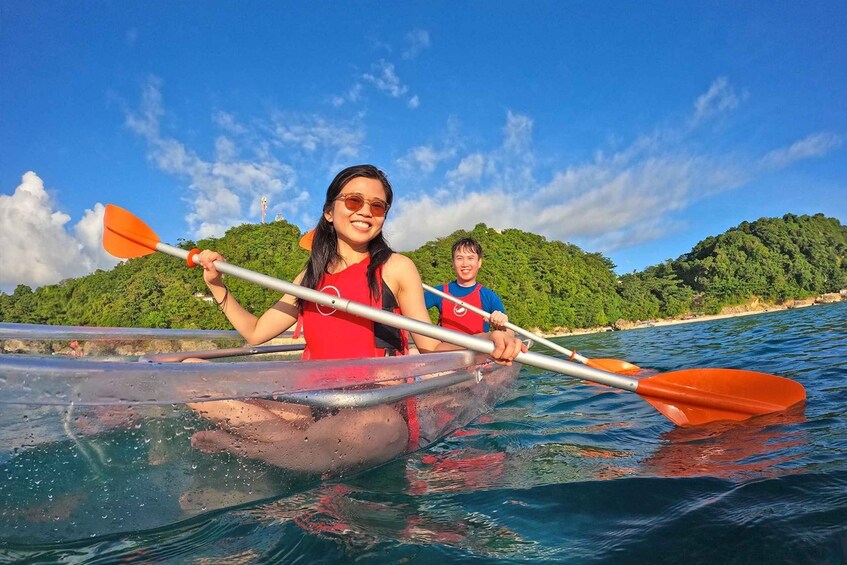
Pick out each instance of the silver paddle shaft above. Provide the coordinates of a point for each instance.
(415, 326)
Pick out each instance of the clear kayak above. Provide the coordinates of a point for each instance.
(98, 447)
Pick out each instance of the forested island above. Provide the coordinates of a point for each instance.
(543, 284)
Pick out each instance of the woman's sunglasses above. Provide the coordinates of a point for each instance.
(355, 201)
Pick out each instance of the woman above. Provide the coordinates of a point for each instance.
(349, 258)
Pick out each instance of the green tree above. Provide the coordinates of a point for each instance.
(543, 284)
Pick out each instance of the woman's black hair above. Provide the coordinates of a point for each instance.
(325, 243)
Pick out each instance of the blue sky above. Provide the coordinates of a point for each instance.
(631, 129)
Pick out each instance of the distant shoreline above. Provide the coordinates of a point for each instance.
(139, 347)
(733, 312)
(659, 323)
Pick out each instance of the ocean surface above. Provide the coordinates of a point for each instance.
(564, 471)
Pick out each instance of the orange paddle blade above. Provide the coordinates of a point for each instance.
(697, 396)
(614, 366)
(125, 236)
(306, 240)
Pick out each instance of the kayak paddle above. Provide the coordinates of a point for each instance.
(611, 365)
(686, 397)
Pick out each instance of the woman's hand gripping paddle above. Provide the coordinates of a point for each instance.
(687, 397)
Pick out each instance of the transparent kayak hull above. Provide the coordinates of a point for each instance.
(58, 380)
(96, 448)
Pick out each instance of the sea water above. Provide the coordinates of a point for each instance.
(564, 471)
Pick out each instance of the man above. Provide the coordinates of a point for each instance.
(467, 260)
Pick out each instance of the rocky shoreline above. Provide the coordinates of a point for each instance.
(132, 348)
(122, 348)
(751, 308)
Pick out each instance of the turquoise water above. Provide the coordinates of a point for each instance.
(564, 471)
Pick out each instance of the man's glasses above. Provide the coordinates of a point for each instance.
(355, 201)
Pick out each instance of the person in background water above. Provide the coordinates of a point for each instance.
(349, 258)
(467, 260)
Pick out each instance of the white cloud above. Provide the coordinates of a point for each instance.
(593, 200)
(424, 158)
(145, 122)
(228, 123)
(814, 145)
(518, 132)
(311, 133)
(89, 232)
(386, 80)
(219, 190)
(226, 189)
(608, 207)
(413, 223)
(618, 198)
(353, 94)
(469, 169)
(36, 245)
(614, 201)
(383, 77)
(721, 97)
(418, 40)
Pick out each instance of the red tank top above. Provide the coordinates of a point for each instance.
(459, 318)
(331, 334)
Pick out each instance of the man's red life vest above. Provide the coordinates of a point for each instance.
(459, 318)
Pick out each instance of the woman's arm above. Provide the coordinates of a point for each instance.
(405, 282)
(273, 322)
